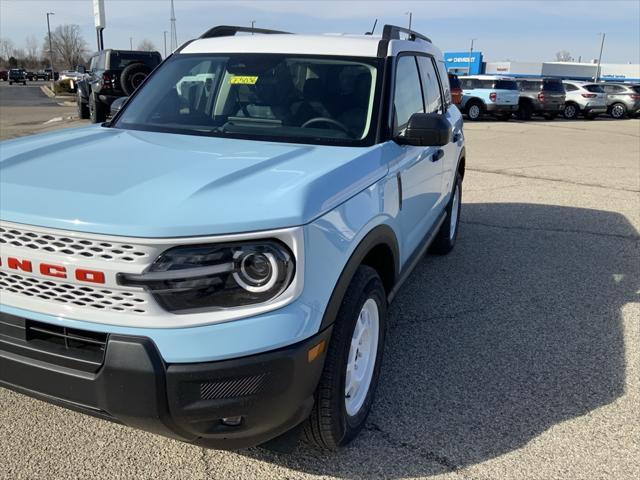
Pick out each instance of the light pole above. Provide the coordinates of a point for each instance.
(470, 56)
(50, 48)
(410, 18)
(130, 43)
(165, 44)
(600, 56)
(253, 24)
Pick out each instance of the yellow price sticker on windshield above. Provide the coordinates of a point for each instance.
(243, 80)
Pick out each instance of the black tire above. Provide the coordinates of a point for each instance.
(618, 110)
(97, 111)
(474, 110)
(550, 116)
(24, 83)
(83, 108)
(525, 111)
(132, 76)
(571, 111)
(10, 83)
(330, 426)
(447, 235)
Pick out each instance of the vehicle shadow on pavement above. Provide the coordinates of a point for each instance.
(515, 331)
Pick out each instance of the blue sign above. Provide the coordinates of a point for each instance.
(461, 63)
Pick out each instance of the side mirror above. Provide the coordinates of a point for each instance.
(81, 69)
(117, 105)
(426, 130)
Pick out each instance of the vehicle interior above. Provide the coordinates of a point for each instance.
(258, 94)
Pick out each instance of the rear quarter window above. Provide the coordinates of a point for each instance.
(636, 88)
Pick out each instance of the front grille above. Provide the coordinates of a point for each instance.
(237, 387)
(68, 245)
(81, 296)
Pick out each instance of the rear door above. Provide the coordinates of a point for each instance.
(418, 171)
(554, 95)
(507, 92)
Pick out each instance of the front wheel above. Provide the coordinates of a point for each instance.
(347, 386)
(446, 237)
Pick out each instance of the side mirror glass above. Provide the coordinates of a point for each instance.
(117, 105)
(426, 130)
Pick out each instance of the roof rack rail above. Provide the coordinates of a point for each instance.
(392, 32)
(231, 30)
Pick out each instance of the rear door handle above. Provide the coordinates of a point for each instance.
(437, 155)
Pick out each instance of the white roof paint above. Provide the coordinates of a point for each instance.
(329, 44)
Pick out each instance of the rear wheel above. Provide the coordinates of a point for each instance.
(474, 110)
(97, 112)
(352, 366)
(618, 110)
(446, 237)
(525, 111)
(571, 111)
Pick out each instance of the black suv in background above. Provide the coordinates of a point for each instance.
(112, 74)
(17, 75)
(540, 96)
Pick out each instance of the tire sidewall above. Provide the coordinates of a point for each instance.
(348, 425)
(470, 107)
(575, 110)
(623, 110)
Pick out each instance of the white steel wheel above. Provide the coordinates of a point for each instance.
(362, 357)
(474, 111)
(455, 208)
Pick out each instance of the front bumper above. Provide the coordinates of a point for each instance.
(125, 380)
(498, 108)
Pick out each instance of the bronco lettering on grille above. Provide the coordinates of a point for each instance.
(52, 270)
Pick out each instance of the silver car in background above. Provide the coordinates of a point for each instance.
(622, 99)
(586, 98)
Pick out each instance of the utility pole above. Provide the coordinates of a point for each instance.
(165, 43)
(410, 18)
(253, 24)
(130, 43)
(50, 47)
(470, 56)
(600, 56)
(174, 35)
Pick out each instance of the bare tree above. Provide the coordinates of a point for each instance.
(6, 48)
(32, 48)
(146, 45)
(69, 48)
(563, 56)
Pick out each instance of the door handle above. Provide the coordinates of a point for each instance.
(437, 156)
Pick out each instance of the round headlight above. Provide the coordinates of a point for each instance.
(256, 271)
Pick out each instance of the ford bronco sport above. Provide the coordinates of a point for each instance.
(215, 263)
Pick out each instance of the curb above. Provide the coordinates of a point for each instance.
(49, 93)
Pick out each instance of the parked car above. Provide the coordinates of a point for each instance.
(456, 89)
(17, 75)
(51, 74)
(489, 94)
(215, 263)
(42, 75)
(584, 98)
(4, 75)
(31, 76)
(622, 99)
(112, 74)
(540, 96)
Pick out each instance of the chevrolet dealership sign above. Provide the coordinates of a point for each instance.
(463, 62)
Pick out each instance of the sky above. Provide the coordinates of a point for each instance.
(517, 30)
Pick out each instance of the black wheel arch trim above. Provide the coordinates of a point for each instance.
(379, 235)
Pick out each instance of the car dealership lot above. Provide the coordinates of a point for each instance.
(515, 357)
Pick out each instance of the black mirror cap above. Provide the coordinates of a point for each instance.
(117, 105)
(427, 130)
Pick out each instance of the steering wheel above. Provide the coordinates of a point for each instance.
(330, 121)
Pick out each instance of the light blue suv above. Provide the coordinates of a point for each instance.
(215, 263)
(489, 94)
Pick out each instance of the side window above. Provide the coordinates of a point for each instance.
(407, 98)
(467, 84)
(430, 86)
(570, 87)
(101, 61)
(444, 78)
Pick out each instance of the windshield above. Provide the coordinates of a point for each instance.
(259, 96)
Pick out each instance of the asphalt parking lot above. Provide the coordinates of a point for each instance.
(515, 357)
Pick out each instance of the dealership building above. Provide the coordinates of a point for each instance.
(466, 63)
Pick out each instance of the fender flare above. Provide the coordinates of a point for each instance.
(380, 235)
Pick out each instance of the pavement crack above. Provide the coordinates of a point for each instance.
(554, 230)
(550, 179)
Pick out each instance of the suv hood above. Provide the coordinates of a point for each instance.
(148, 184)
